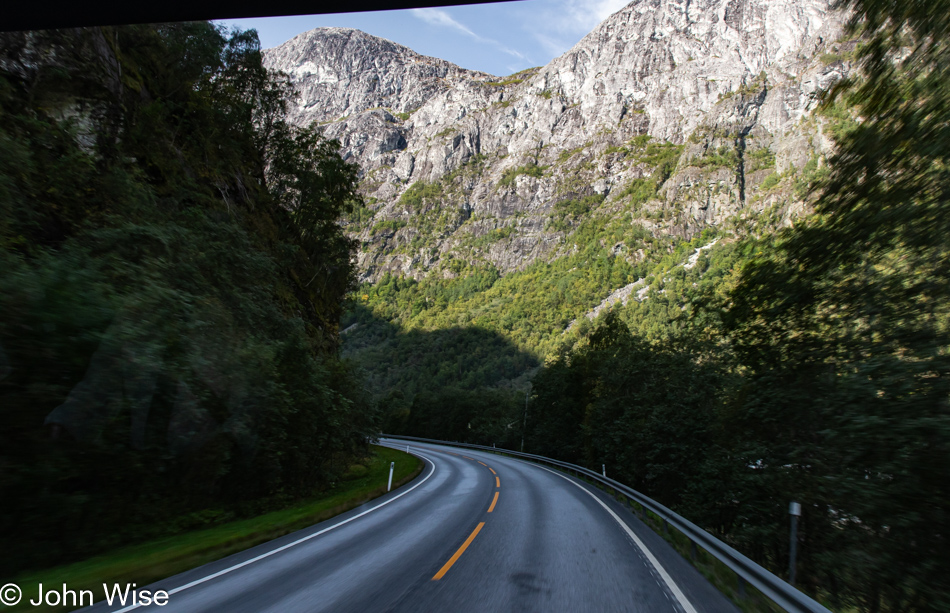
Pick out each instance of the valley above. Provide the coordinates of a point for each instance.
(516, 204)
(704, 252)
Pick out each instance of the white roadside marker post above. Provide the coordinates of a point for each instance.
(603, 469)
(389, 487)
(795, 510)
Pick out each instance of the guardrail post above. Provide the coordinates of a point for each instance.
(693, 552)
(742, 593)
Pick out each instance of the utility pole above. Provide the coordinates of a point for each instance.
(795, 510)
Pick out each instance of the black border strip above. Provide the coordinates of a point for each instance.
(52, 14)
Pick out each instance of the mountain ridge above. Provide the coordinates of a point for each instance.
(343, 56)
(458, 165)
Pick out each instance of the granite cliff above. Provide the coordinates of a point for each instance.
(670, 117)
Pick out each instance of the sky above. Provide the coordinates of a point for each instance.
(499, 38)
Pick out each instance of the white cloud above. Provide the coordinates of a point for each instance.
(439, 18)
(557, 28)
(605, 8)
(554, 46)
(512, 52)
(583, 15)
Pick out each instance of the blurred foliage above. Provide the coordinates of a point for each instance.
(173, 275)
(841, 326)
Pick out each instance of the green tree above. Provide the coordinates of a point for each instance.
(645, 411)
(172, 278)
(843, 329)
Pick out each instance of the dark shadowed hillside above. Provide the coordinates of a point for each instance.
(173, 278)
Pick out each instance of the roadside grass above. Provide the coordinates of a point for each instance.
(151, 561)
(743, 595)
(746, 597)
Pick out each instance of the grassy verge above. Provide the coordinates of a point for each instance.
(150, 561)
(746, 597)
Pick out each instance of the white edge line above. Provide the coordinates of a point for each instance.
(289, 545)
(684, 602)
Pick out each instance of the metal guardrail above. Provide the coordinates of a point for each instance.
(774, 588)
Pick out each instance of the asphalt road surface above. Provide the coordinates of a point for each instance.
(474, 532)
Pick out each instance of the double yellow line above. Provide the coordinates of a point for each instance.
(471, 537)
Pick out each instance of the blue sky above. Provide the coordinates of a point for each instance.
(499, 38)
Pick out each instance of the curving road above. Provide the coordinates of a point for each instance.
(474, 532)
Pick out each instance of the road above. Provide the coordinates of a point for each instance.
(474, 532)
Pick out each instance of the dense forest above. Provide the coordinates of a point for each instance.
(808, 364)
(173, 279)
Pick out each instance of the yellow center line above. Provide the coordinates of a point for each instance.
(468, 458)
(497, 481)
(495, 500)
(458, 553)
(492, 470)
(483, 464)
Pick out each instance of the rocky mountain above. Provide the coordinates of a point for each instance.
(672, 116)
(342, 73)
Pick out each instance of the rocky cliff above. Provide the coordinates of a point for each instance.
(671, 117)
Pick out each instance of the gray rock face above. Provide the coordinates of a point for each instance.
(725, 87)
(341, 72)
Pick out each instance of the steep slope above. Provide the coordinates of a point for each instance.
(170, 302)
(460, 165)
(516, 205)
(342, 72)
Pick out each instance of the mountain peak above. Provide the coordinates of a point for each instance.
(670, 114)
(340, 72)
(348, 36)
(676, 59)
